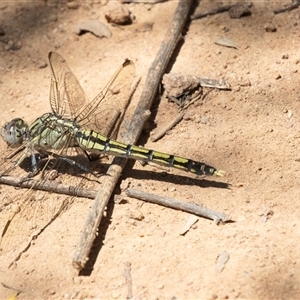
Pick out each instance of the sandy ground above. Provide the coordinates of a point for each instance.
(251, 132)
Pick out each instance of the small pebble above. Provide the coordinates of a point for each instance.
(270, 28)
(245, 82)
(135, 214)
(277, 76)
(264, 219)
(117, 13)
(94, 26)
(13, 45)
(239, 10)
(188, 116)
(42, 64)
(222, 259)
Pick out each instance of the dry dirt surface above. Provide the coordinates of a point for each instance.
(251, 132)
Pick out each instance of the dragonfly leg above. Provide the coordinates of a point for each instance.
(69, 161)
(16, 163)
(33, 163)
(91, 156)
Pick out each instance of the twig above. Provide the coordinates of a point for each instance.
(167, 127)
(135, 128)
(52, 186)
(296, 4)
(127, 275)
(212, 12)
(145, 1)
(49, 186)
(176, 204)
(157, 69)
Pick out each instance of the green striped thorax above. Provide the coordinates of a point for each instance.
(47, 132)
(50, 131)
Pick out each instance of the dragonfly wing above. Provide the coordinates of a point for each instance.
(26, 218)
(66, 94)
(108, 106)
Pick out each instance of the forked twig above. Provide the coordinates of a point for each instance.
(176, 204)
(52, 186)
(140, 116)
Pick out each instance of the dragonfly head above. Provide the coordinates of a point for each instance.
(13, 132)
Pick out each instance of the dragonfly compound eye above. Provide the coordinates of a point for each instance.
(13, 132)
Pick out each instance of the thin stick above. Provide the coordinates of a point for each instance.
(54, 187)
(49, 186)
(157, 69)
(295, 5)
(167, 127)
(212, 12)
(144, 1)
(140, 116)
(127, 275)
(176, 204)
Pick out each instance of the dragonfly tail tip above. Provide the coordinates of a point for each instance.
(220, 173)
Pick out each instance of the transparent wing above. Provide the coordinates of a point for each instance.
(25, 218)
(109, 105)
(24, 214)
(21, 214)
(67, 98)
(62, 101)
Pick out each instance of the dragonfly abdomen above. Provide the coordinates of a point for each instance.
(92, 141)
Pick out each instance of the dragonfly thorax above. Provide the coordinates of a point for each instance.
(52, 132)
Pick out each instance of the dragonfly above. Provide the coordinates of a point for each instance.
(75, 123)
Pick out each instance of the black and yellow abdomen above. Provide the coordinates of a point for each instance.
(92, 141)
